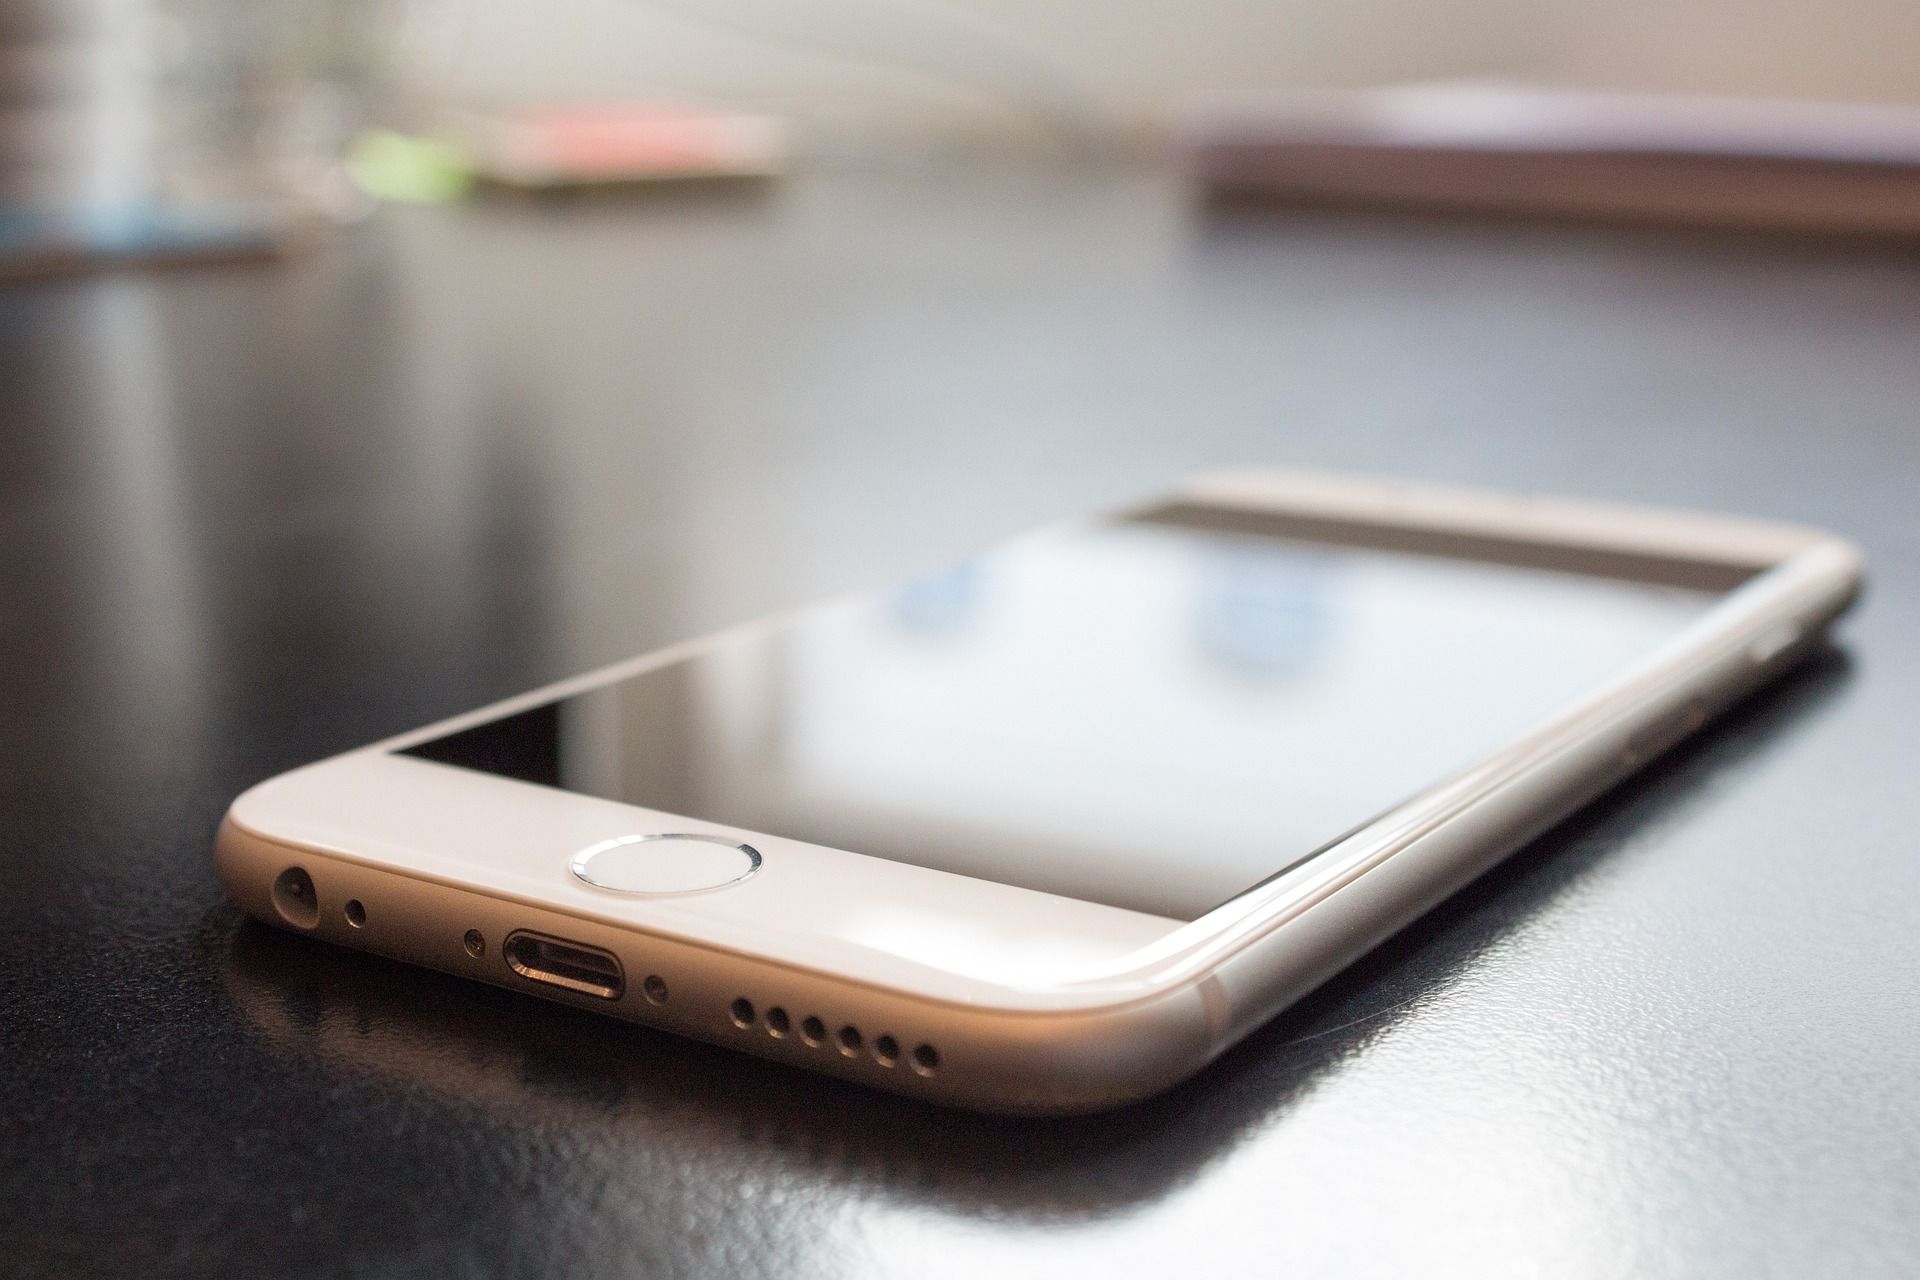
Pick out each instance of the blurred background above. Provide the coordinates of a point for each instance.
(155, 126)
(660, 313)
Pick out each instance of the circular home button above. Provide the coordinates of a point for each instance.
(665, 863)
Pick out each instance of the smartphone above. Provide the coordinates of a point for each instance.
(1050, 830)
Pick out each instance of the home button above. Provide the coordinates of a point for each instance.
(665, 864)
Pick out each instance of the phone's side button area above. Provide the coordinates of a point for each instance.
(1773, 642)
(1648, 743)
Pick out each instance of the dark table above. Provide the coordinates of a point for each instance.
(256, 515)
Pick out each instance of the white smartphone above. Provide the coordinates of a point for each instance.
(1051, 830)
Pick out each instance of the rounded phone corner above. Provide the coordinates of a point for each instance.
(248, 865)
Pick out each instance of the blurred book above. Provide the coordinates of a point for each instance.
(1479, 147)
(144, 235)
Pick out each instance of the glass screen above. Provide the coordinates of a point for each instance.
(1154, 713)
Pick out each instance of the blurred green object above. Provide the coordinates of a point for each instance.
(407, 169)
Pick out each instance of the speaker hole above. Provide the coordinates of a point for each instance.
(742, 1011)
(814, 1032)
(849, 1040)
(926, 1059)
(886, 1050)
(295, 899)
(656, 988)
(356, 913)
(777, 1023)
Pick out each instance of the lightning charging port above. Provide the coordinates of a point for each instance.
(571, 966)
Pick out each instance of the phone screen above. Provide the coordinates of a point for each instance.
(1156, 712)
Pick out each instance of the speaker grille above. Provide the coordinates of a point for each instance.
(815, 1036)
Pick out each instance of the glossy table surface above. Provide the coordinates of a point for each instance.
(255, 515)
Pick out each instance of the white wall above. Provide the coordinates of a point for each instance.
(878, 65)
(1851, 50)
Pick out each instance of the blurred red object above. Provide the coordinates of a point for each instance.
(565, 146)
